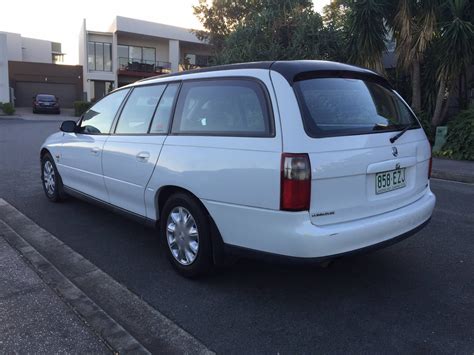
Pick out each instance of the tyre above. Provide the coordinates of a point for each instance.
(186, 231)
(51, 180)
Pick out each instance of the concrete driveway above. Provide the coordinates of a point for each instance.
(26, 113)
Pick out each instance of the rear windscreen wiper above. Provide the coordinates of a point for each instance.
(399, 134)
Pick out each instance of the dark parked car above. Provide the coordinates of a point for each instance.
(46, 103)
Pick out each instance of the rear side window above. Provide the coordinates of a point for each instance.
(138, 110)
(342, 106)
(98, 119)
(228, 107)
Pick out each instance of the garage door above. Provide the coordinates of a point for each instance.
(25, 90)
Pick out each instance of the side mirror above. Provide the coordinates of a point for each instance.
(68, 127)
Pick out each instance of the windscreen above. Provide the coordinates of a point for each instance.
(343, 106)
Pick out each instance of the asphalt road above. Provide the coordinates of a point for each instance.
(416, 296)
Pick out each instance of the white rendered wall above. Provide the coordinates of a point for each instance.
(36, 50)
(4, 82)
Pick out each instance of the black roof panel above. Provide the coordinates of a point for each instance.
(294, 70)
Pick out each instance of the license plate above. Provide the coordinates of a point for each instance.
(389, 180)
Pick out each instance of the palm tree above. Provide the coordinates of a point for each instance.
(456, 45)
(367, 34)
(414, 25)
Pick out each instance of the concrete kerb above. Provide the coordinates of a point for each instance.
(122, 319)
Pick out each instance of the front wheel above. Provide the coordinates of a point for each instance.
(51, 181)
(185, 228)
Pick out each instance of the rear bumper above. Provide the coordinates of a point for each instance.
(46, 109)
(293, 235)
(244, 252)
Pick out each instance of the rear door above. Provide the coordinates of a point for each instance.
(132, 150)
(346, 127)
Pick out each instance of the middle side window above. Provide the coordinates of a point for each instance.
(138, 110)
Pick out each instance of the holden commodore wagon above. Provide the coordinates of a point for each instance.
(304, 159)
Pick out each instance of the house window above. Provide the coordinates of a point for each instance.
(99, 56)
(149, 55)
(136, 54)
(197, 59)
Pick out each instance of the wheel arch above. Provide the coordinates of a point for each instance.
(217, 242)
(164, 193)
(43, 152)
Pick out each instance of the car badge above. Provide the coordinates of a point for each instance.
(397, 166)
(395, 151)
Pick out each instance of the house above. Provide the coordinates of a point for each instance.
(134, 49)
(29, 66)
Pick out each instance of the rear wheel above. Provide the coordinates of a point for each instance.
(185, 228)
(51, 181)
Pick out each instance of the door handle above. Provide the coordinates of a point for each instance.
(95, 150)
(143, 156)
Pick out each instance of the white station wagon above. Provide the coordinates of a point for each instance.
(304, 159)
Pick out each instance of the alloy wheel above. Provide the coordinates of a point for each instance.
(49, 180)
(182, 235)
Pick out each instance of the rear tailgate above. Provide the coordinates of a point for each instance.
(344, 170)
(349, 123)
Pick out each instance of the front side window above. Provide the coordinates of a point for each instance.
(138, 111)
(346, 106)
(232, 107)
(98, 119)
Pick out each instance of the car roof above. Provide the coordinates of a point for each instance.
(292, 71)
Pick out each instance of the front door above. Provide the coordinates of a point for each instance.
(80, 162)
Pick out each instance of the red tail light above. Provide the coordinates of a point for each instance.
(295, 182)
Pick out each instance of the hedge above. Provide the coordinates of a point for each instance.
(80, 107)
(7, 108)
(460, 140)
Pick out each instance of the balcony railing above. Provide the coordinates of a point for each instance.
(143, 67)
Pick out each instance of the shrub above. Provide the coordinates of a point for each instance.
(425, 121)
(80, 107)
(8, 108)
(460, 140)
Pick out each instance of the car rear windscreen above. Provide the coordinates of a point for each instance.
(343, 106)
(49, 98)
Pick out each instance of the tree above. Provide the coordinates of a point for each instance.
(221, 17)
(367, 34)
(335, 28)
(414, 25)
(456, 45)
(264, 30)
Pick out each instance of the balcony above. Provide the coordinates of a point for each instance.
(142, 68)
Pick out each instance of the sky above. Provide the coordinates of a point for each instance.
(60, 20)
